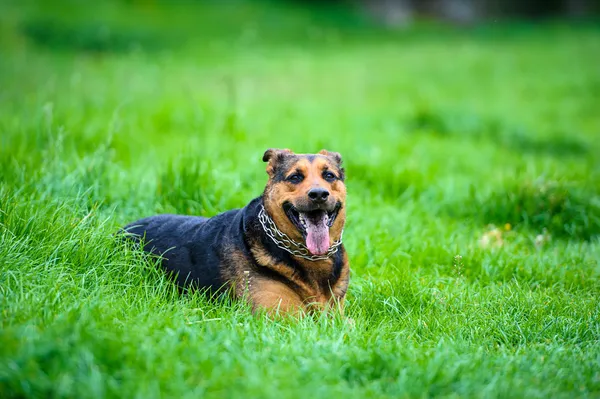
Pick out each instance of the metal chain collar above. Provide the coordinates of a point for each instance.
(284, 242)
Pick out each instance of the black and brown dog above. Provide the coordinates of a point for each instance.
(283, 251)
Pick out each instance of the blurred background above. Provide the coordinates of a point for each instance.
(248, 17)
(403, 12)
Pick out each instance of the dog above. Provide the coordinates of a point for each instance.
(282, 252)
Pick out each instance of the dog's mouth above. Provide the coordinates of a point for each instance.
(313, 225)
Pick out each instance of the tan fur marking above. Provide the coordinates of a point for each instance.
(274, 297)
(315, 296)
(233, 270)
(265, 260)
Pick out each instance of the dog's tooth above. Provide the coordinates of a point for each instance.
(301, 218)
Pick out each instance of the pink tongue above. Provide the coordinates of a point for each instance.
(317, 236)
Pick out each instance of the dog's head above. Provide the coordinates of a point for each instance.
(306, 196)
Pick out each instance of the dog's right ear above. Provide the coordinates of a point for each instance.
(273, 156)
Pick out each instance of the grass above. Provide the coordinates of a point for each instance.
(474, 200)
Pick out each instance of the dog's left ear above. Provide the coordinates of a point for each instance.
(333, 155)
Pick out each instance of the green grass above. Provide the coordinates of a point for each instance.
(444, 133)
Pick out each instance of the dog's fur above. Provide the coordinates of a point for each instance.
(232, 251)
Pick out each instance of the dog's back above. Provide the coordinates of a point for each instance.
(188, 245)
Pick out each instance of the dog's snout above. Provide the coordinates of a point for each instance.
(318, 195)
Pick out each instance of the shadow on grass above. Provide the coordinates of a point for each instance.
(91, 37)
(513, 138)
(562, 211)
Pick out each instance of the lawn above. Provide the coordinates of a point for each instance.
(473, 216)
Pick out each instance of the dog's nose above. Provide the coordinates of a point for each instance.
(318, 195)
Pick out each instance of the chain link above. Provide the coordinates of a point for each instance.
(286, 243)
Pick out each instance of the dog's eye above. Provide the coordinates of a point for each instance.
(328, 176)
(295, 178)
